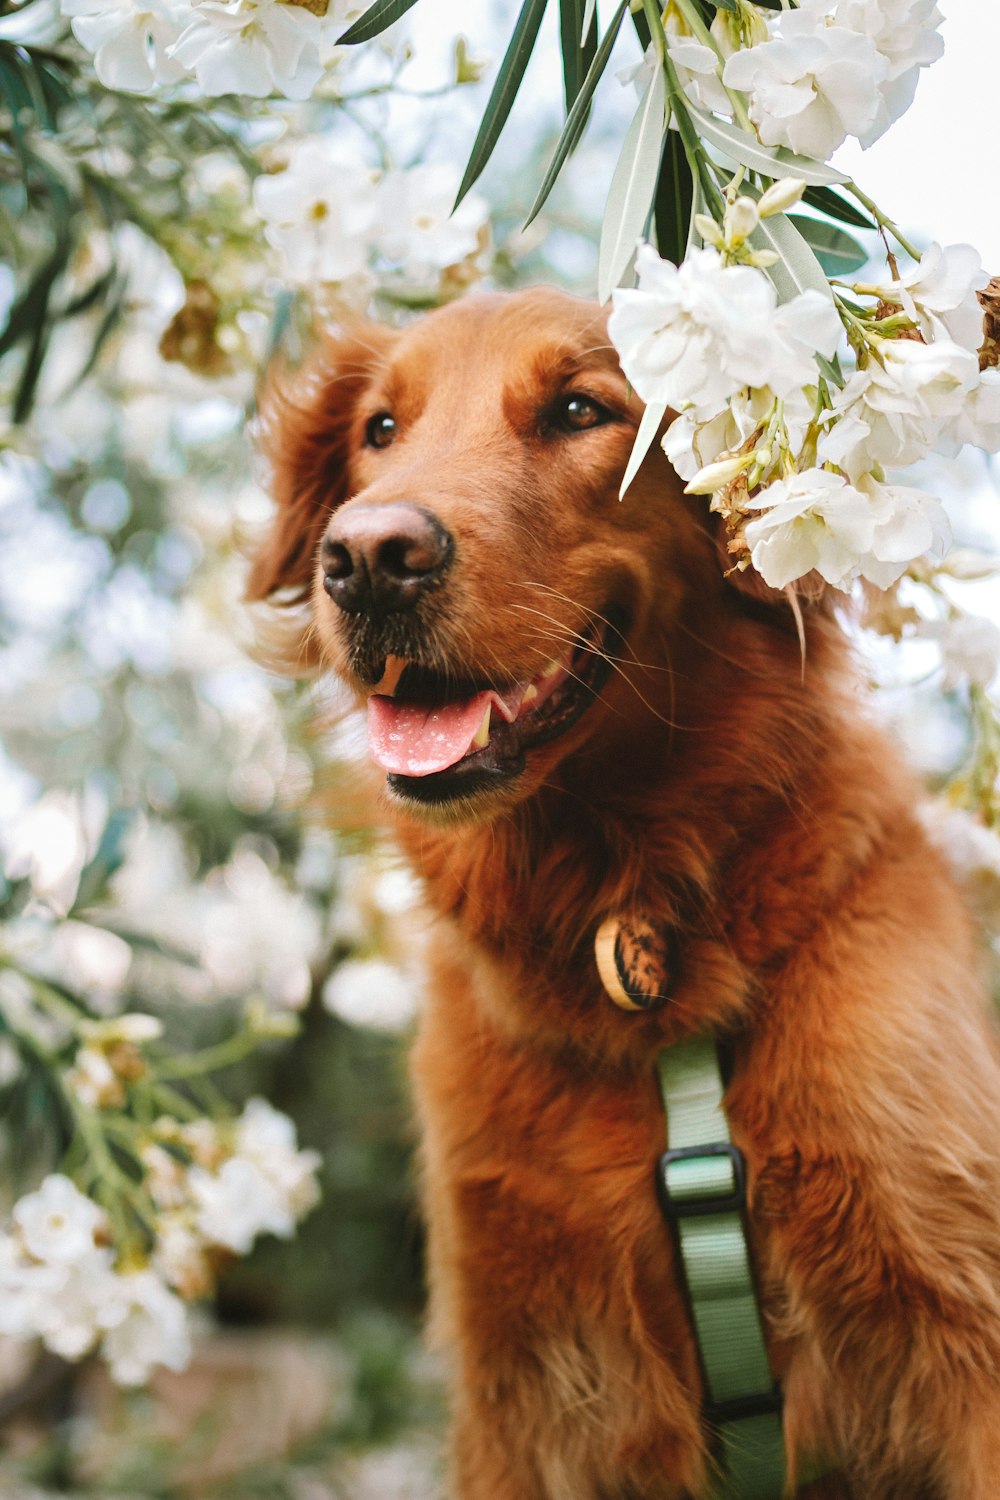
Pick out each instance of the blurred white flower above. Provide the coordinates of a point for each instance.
(320, 212)
(24, 1287)
(91, 957)
(811, 85)
(254, 47)
(256, 933)
(372, 992)
(694, 335)
(146, 1325)
(49, 845)
(180, 1257)
(69, 1319)
(129, 39)
(58, 1223)
(817, 520)
(973, 851)
(417, 229)
(237, 1203)
(94, 1081)
(978, 422)
(267, 1138)
(166, 1177)
(970, 648)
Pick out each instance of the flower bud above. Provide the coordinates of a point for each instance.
(713, 476)
(742, 218)
(780, 196)
(708, 229)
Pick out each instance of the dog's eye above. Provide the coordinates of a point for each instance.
(380, 430)
(578, 414)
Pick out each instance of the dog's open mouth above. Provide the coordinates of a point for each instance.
(438, 738)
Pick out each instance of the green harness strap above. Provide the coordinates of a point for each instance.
(702, 1191)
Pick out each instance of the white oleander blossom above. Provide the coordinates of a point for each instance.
(253, 47)
(417, 229)
(817, 520)
(48, 845)
(129, 39)
(695, 334)
(898, 407)
(811, 85)
(905, 33)
(58, 1223)
(146, 1325)
(320, 213)
(939, 294)
(970, 648)
(263, 1188)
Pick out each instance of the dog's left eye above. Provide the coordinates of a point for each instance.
(574, 413)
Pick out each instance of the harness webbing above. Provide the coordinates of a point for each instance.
(702, 1190)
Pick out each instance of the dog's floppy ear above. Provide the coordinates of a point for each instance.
(305, 429)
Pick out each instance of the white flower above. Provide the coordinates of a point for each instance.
(58, 1223)
(901, 403)
(940, 293)
(254, 47)
(416, 227)
(810, 86)
(692, 441)
(319, 213)
(905, 34)
(180, 1258)
(973, 851)
(91, 957)
(49, 845)
(25, 1286)
(371, 992)
(266, 1138)
(94, 1081)
(257, 933)
(237, 1203)
(817, 520)
(129, 39)
(146, 1325)
(978, 422)
(970, 648)
(71, 1317)
(694, 335)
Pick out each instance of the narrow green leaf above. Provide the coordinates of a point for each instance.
(649, 426)
(577, 117)
(378, 18)
(744, 149)
(832, 203)
(724, 4)
(831, 369)
(632, 186)
(504, 91)
(837, 252)
(578, 48)
(673, 200)
(798, 269)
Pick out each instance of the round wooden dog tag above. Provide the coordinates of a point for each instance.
(636, 961)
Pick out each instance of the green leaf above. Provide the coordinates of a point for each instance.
(832, 203)
(745, 150)
(649, 426)
(673, 200)
(632, 187)
(724, 4)
(589, 12)
(374, 21)
(504, 91)
(577, 48)
(838, 253)
(831, 369)
(798, 269)
(577, 117)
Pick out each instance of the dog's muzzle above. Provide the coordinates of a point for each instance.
(383, 559)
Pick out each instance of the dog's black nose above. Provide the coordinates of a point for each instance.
(382, 558)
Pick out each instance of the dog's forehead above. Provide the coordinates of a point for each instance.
(512, 332)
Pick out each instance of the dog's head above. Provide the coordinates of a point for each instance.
(448, 497)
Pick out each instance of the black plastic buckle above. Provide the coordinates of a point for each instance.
(739, 1408)
(709, 1203)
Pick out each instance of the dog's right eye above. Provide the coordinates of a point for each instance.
(380, 430)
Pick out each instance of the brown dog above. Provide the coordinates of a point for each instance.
(449, 495)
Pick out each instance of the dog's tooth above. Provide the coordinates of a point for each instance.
(530, 694)
(482, 738)
(395, 666)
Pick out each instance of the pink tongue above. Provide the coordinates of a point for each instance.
(416, 741)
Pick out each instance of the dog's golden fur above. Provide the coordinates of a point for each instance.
(744, 799)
